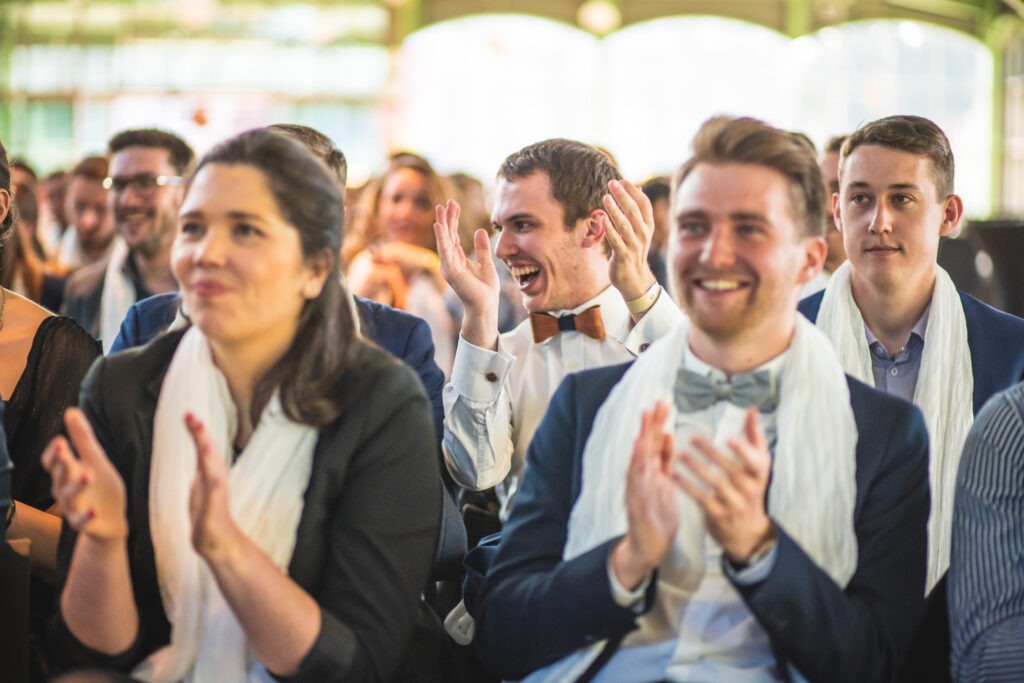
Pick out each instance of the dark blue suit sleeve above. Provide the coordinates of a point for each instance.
(128, 335)
(535, 608)
(861, 632)
(419, 355)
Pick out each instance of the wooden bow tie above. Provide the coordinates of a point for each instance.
(588, 322)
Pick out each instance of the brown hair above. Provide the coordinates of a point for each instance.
(914, 134)
(180, 153)
(579, 173)
(835, 144)
(93, 168)
(321, 146)
(723, 140)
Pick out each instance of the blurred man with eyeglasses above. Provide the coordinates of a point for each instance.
(144, 191)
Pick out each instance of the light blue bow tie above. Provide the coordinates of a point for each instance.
(695, 392)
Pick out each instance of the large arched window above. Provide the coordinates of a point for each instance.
(468, 92)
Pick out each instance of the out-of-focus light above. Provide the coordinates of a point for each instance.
(358, 175)
(983, 264)
(600, 17)
(911, 34)
(197, 14)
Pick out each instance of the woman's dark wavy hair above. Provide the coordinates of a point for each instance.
(316, 375)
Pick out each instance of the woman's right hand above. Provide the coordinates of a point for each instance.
(88, 489)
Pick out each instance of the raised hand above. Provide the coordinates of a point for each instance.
(213, 529)
(474, 281)
(381, 282)
(652, 501)
(732, 493)
(629, 226)
(88, 490)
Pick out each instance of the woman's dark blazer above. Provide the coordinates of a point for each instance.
(365, 538)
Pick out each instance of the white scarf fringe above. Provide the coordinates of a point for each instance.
(118, 293)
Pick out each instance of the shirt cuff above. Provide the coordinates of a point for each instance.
(478, 373)
(755, 572)
(630, 599)
(658, 321)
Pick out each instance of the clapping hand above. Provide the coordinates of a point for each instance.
(731, 494)
(652, 500)
(474, 281)
(213, 530)
(629, 227)
(88, 490)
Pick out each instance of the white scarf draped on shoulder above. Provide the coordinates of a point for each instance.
(813, 487)
(266, 489)
(944, 391)
(118, 293)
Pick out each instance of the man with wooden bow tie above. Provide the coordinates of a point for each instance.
(575, 236)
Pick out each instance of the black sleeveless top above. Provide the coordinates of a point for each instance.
(61, 354)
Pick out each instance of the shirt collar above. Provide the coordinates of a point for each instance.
(918, 329)
(694, 364)
(614, 313)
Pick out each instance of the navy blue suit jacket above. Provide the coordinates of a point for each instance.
(536, 608)
(996, 341)
(399, 333)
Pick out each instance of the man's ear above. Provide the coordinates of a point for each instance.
(952, 212)
(837, 214)
(815, 251)
(595, 230)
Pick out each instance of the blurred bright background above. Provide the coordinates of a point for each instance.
(467, 83)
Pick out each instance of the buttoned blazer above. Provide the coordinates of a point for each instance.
(996, 343)
(365, 539)
(536, 608)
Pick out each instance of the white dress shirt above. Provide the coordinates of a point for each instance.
(496, 399)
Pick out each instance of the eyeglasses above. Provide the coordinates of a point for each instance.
(145, 184)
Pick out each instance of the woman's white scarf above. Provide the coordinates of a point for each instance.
(944, 391)
(813, 486)
(118, 293)
(266, 487)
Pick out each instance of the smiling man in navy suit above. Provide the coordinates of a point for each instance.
(901, 325)
(730, 506)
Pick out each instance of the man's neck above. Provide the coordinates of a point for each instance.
(91, 253)
(737, 355)
(892, 314)
(155, 271)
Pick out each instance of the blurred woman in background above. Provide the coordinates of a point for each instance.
(390, 255)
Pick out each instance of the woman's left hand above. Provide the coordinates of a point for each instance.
(214, 532)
